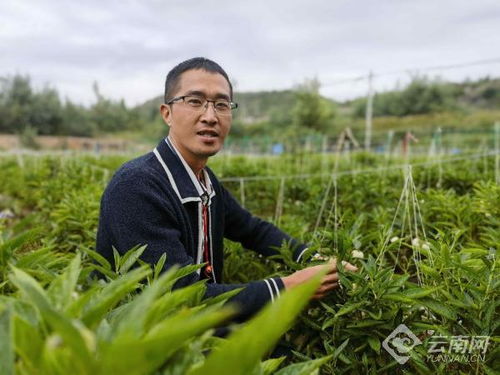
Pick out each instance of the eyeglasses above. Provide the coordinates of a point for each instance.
(197, 103)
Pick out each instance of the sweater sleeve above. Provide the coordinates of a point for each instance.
(254, 295)
(135, 211)
(254, 233)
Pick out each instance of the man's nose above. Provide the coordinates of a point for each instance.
(209, 114)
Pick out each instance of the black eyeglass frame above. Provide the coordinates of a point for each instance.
(232, 105)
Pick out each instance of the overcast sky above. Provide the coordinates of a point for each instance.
(129, 46)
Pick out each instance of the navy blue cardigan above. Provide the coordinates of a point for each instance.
(156, 200)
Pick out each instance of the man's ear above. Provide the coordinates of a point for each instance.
(166, 113)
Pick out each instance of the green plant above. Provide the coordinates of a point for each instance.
(110, 328)
(54, 206)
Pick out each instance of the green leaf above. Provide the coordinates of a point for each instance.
(271, 365)
(116, 258)
(111, 294)
(106, 272)
(397, 297)
(8, 247)
(28, 342)
(78, 305)
(170, 302)
(365, 323)
(399, 280)
(327, 308)
(22, 309)
(243, 350)
(222, 298)
(63, 286)
(328, 323)
(419, 292)
(440, 308)
(374, 316)
(44, 257)
(339, 350)
(188, 355)
(32, 291)
(135, 357)
(184, 271)
(130, 258)
(346, 309)
(73, 336)
(98, 258)
(132, 321)
(159, 265)
(475, 252)
(429, 271)
(304, 368)
(6, 342)
(374, 343)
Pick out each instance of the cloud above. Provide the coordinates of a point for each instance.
(129, 46)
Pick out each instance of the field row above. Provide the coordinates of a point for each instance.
(424, 237)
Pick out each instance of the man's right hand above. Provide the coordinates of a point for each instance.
(329, 282)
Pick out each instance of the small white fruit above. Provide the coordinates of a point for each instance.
(357, 254)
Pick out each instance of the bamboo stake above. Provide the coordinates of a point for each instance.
(497, 152)
(279, 202)
(242, 192)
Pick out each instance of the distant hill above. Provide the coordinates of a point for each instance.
(277, 106)
(481, 94)
(439, 96)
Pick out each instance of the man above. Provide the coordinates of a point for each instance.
(169, 200)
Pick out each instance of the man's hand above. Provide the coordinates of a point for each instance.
(330, 280)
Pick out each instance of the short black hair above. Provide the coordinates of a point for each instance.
(195, 63)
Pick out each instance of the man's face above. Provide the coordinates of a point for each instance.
(198, 135)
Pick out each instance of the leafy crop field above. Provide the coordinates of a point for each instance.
(424, 233)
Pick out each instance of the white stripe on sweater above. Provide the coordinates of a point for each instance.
(276, 286)
(270, 290)
(301, 253)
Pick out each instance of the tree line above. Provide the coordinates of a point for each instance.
(24, 109)
(301, 110)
